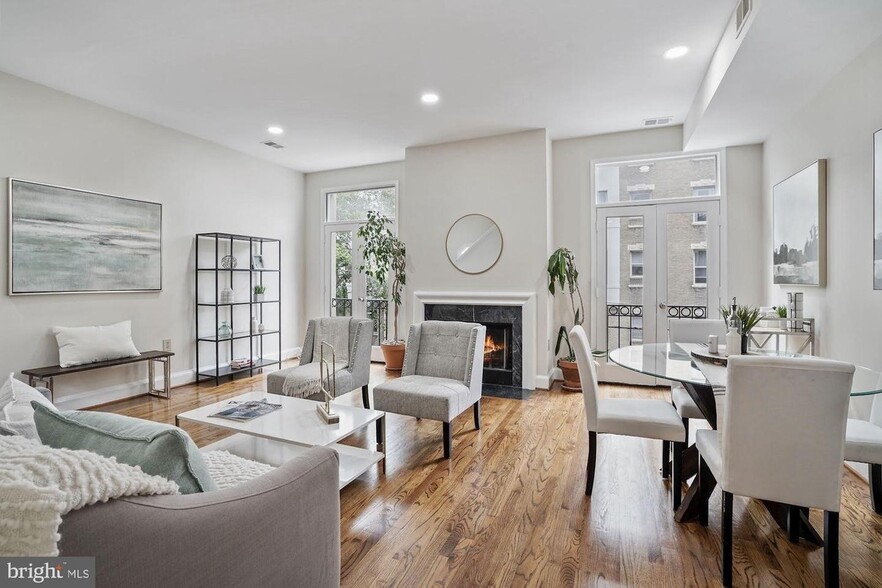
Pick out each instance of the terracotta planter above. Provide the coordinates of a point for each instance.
(570, 371)
(393, 354)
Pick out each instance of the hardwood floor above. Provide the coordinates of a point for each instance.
(509, 510)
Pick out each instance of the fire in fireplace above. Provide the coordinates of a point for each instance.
(497, 354)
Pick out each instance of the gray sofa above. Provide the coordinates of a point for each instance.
(281, 529)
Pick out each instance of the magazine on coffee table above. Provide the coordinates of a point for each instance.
(245, 411)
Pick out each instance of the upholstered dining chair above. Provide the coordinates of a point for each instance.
(351, 338)
(863, 444)
(783, 440)
(441, 377)
(635, 417)
(689, 331)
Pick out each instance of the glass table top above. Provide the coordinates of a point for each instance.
(671, 362)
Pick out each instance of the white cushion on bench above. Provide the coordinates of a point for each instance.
(83, 345)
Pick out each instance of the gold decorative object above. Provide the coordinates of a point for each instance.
(328, 380)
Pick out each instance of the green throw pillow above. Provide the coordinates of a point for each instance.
(159, 449)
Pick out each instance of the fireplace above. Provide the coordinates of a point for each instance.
(498, 354)
(503, 354)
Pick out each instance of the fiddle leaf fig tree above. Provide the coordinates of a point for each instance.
(563, 275)
(384, 256)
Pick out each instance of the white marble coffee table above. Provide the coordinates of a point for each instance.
(276, 437)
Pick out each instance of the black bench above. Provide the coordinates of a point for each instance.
(47, 374)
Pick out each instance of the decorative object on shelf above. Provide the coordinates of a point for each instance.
(562, 271)
(795, 303)
(253, 325)
(64, 240)
(229, 262)
(474, 244)
(743, 319)
(257, 262)
(227, 296)
(800, 227)
(877, 210)
(261, 328)
(328, 378)
(383, 254)
(224, 331)
(781, 311)
(259, 292)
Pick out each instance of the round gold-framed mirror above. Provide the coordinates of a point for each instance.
(474, 243)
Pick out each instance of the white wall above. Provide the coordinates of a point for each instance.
(48, 136)
(504, 177)
(837, 124)
(316, 184)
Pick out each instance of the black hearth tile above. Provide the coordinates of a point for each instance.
(450, 312)
(498, 314)
(509, 392)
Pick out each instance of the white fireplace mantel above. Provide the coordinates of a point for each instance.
(526, 300)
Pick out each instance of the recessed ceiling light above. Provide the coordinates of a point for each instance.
(274, 130)
(430, 98)
(675, 52)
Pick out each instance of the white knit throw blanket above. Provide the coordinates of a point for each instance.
(40, 484)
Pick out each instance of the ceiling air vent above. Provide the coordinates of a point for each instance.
(658, 121)
(272, 144)
(741, 13)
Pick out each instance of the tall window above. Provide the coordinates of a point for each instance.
(699, 267)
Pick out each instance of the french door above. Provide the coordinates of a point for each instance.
(654, 262)
(348, 291)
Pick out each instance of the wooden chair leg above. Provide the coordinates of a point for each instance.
(592, 462)
(727, 539)
(666, 459)
(677, 474)
(686, 426)
(365, 397)
(876, 487)
(448, 439)
(704, 490)
(477, 410)
(831, 549)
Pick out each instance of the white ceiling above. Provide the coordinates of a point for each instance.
(343, 77)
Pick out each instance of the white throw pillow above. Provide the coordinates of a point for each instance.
(17, 413)
(82, 345)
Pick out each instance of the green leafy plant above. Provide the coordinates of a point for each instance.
(746, 317)
(781, 310)
(384, 254)
(562, 274)
(259, 289)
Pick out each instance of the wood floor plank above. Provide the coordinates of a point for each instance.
(509, 508)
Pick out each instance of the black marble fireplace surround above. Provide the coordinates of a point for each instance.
(488, 315)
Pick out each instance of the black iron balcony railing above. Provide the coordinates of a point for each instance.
(377, 311)
(624, 322)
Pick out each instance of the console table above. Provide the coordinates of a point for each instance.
(775, 327)
(46, 375)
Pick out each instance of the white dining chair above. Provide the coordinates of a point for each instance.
(635, 417)
(863, 444)
(689, 331)
(782, 440)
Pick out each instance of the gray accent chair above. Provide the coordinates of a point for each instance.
(441, 377)
(280, 529)
(352, 339)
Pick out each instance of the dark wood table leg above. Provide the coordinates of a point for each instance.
(794, 520)
(690, 507)
(876, 487)
(689, 462)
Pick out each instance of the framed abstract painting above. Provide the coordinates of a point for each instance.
(799, 232)
(65, 241)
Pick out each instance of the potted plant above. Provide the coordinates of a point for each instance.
(259, 292)
(384, 257)
(562, 273)
(746, 318)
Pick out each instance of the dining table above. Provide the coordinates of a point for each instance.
(703, 375)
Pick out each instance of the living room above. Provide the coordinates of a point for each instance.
(480, 191)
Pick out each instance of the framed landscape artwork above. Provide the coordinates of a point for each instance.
(877, 210)
(799, 227)
(64, 240)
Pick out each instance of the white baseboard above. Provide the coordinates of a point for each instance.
(545, 381)
(139, 387)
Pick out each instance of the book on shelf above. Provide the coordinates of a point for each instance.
(238, 364)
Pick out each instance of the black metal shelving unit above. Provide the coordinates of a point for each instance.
(210, 277)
